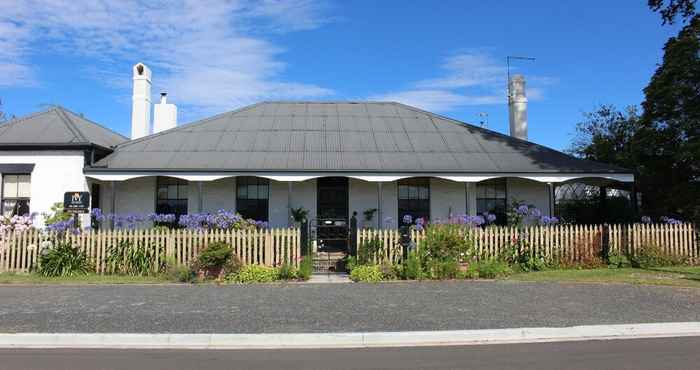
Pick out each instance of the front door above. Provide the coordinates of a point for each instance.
(332, 210)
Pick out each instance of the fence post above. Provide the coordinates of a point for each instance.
(605, 243)
(268, 248)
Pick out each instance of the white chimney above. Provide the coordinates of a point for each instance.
(164, 115)
(517, 107)
(141, 102)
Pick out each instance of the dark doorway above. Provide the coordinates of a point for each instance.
(95, 196)
(332, 209)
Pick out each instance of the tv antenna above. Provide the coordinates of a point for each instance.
(483, 119)
(508, 59)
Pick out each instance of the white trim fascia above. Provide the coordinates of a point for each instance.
(370, 177)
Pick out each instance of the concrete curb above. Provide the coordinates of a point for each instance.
(347, 340)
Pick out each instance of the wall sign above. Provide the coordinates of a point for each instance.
(76, 201)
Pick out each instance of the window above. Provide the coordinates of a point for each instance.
(15, 195)
(171, 196)
(414, 199)
(252, 194)
(491, 197)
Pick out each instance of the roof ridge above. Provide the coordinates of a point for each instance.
(71, 125)
(91, 121)
(325, 102)
(16, 120)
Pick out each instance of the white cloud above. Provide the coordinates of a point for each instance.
(471, 78)
(437, 100)
(290, 15)
(468, 70)
(202, 52)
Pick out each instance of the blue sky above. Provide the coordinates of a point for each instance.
(443, 56)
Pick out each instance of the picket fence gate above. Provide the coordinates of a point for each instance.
(567, 243)
(19, 251)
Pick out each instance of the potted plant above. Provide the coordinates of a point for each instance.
(299, 215)
(369, 215)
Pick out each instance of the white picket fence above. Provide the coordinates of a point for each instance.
(572, 243)
(271, 247)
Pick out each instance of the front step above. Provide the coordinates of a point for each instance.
(329, 261)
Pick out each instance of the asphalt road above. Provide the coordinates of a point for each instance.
(638, 354)
(336, 307)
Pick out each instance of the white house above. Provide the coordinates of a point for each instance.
(331, 158)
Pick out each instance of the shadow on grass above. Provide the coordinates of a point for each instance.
(683, 275)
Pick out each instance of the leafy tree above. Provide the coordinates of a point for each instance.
(669, 139)
(670, 9)
(663, 144)
(606, 135)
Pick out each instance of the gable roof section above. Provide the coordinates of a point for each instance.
(57, 127)
(343, 136)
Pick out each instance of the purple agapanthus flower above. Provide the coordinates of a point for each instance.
(522, 210)
(97, 214)
(547, 220)
(489, 217)
(388, 220)
(670, 220)
(646, 219)
(161, 218)
(62, 226)
(407, 219)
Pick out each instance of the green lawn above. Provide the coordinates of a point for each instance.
(33, 278)
(683, 276)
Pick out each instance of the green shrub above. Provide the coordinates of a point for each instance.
(288, 272)
(412, 267)
(535, 262)
(617, 260)
(491, 269)
(215, 256)
(58, 214)
(306, 268)
(447, 242)
(63, 260)
(443, 269)
(367, 274)
(255, 274)
(177, 272)
(369, 251)
(390, 271)
(134, 259)
(350, 263)
(216, 261)
(181, 274)
(650, 255)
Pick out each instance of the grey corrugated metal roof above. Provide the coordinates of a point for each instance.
(56, 126)
(339, 136)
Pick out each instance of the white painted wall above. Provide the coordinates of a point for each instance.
(447, 198)
(217, 195)
(531, 192)
(133, 196)
(390, 204)
(278, 213)
(55, 172)
(304, 195)
(363, 196)
(138, 196)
